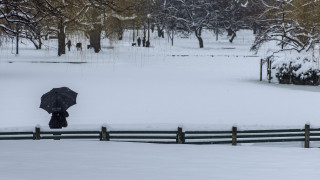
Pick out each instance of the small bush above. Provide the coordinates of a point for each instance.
(299, 71)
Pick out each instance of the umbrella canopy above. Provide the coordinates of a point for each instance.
(58, 99)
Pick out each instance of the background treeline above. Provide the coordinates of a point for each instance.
(292, 24)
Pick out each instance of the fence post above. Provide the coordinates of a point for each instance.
(37, 133)
(103, 134)
(261, 64)
(234, 136)
(180, 136)
(307, 136)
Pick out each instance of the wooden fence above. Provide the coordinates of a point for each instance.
(234, 136)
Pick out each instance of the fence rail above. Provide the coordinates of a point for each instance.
(179, 136)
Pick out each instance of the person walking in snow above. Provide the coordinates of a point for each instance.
(144, 41)
(58, 119)
(139, 41)
(69, 44)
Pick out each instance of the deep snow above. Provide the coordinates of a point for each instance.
(158, 88)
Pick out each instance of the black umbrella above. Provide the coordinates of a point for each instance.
(58, 99)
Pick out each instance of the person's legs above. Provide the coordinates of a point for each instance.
(64, 122)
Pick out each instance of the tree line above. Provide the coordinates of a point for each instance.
(293, 24)
(35, 20)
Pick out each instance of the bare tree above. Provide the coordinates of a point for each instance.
(19, 19)
(279, 24)
(192, 16)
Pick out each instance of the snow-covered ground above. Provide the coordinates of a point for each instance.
(215, 87)
(77, 160)
(153, 88)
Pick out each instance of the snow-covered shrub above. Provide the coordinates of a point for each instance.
(283, 72)
(296, 68)
(306, 73)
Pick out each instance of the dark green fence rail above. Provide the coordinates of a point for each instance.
(17, 135)
(179, 136)
(164, 137)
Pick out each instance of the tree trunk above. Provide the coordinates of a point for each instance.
(61, 39)
(172, 36)
(200, 42)
(95, 38)
(148, 44)
(144, 31)
(34, 43)
(17, 44)
(133, 36)
(120, 32)
(255, 28)
(233, 36)
(17, 39)
(40, 43)
(198, 35)
(95, 33)
(217, 33)
(160, 31)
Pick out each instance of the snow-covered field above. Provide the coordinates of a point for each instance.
(153, 88)
(77, 160)
(215, 87)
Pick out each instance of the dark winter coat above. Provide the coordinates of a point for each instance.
(139, 41)
(58, 120)
(69, 44)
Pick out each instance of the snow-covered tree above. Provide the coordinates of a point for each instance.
(234, 16)
(294, 26)
(193, 16)
(19, 19)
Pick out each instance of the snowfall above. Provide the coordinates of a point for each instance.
(156, 88)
